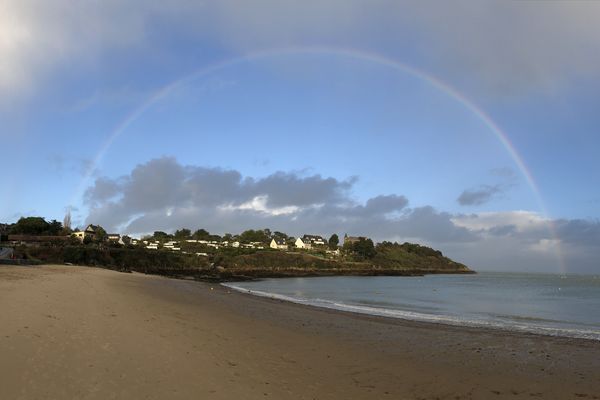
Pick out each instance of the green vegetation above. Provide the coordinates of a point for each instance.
(125, 259)
(203, 255)
(413, 256)
(37, 226)
(363, 249)
(333, 241)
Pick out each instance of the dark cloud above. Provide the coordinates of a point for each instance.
(478, 196)
(104, 189)
(286, 189)
(163, 194)
(578, 231)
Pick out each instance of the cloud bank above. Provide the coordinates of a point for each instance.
(163, 194)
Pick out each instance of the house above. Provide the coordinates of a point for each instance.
(301, 244)
(314, 240)
(353, 239)
(152, 246)
(278, 244)
(172, 245)
(114, 237)
(91, 231)
(79, 235)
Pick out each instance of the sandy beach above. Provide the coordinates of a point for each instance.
(76, 332)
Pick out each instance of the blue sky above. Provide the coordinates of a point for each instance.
(307, 131)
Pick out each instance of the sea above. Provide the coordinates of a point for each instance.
(548, 304)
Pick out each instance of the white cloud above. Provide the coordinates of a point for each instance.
(546, 246)
(38, 36)
(259, 204)
(521, 220)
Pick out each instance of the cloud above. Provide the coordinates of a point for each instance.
(37, 36)
(501, 47)
(485, 193)
(163, 194)
(478, 196)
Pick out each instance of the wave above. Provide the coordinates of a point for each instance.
(515, 325)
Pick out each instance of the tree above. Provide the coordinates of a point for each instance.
(334, 241)
(67, 220)
(364, 248)
(54, 227)
(253, 236)
(183, 233)
(160, 235)
(201, 234)
(30, 226)
(100, 234)
(280, 236)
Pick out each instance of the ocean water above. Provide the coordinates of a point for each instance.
(559, 305)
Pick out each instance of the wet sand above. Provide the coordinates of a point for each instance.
(86, 333)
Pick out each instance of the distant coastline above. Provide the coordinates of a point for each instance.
(200, 255)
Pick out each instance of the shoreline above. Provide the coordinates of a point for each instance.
(81, 332)
(425, 319)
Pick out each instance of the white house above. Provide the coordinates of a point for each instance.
(278, 244)
(301, 244)
(314, 240)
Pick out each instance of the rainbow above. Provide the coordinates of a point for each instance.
(450, 91)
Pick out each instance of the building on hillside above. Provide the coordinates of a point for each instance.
(114, 237)
(315, 240)
(172, 245)
(353, 239)
(301, 244)
(278, 244)
(91, 232)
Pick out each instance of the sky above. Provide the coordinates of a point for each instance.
(468, 126)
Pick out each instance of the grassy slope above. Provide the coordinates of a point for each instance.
(390, 260)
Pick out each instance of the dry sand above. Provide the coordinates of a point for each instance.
(85, 333)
